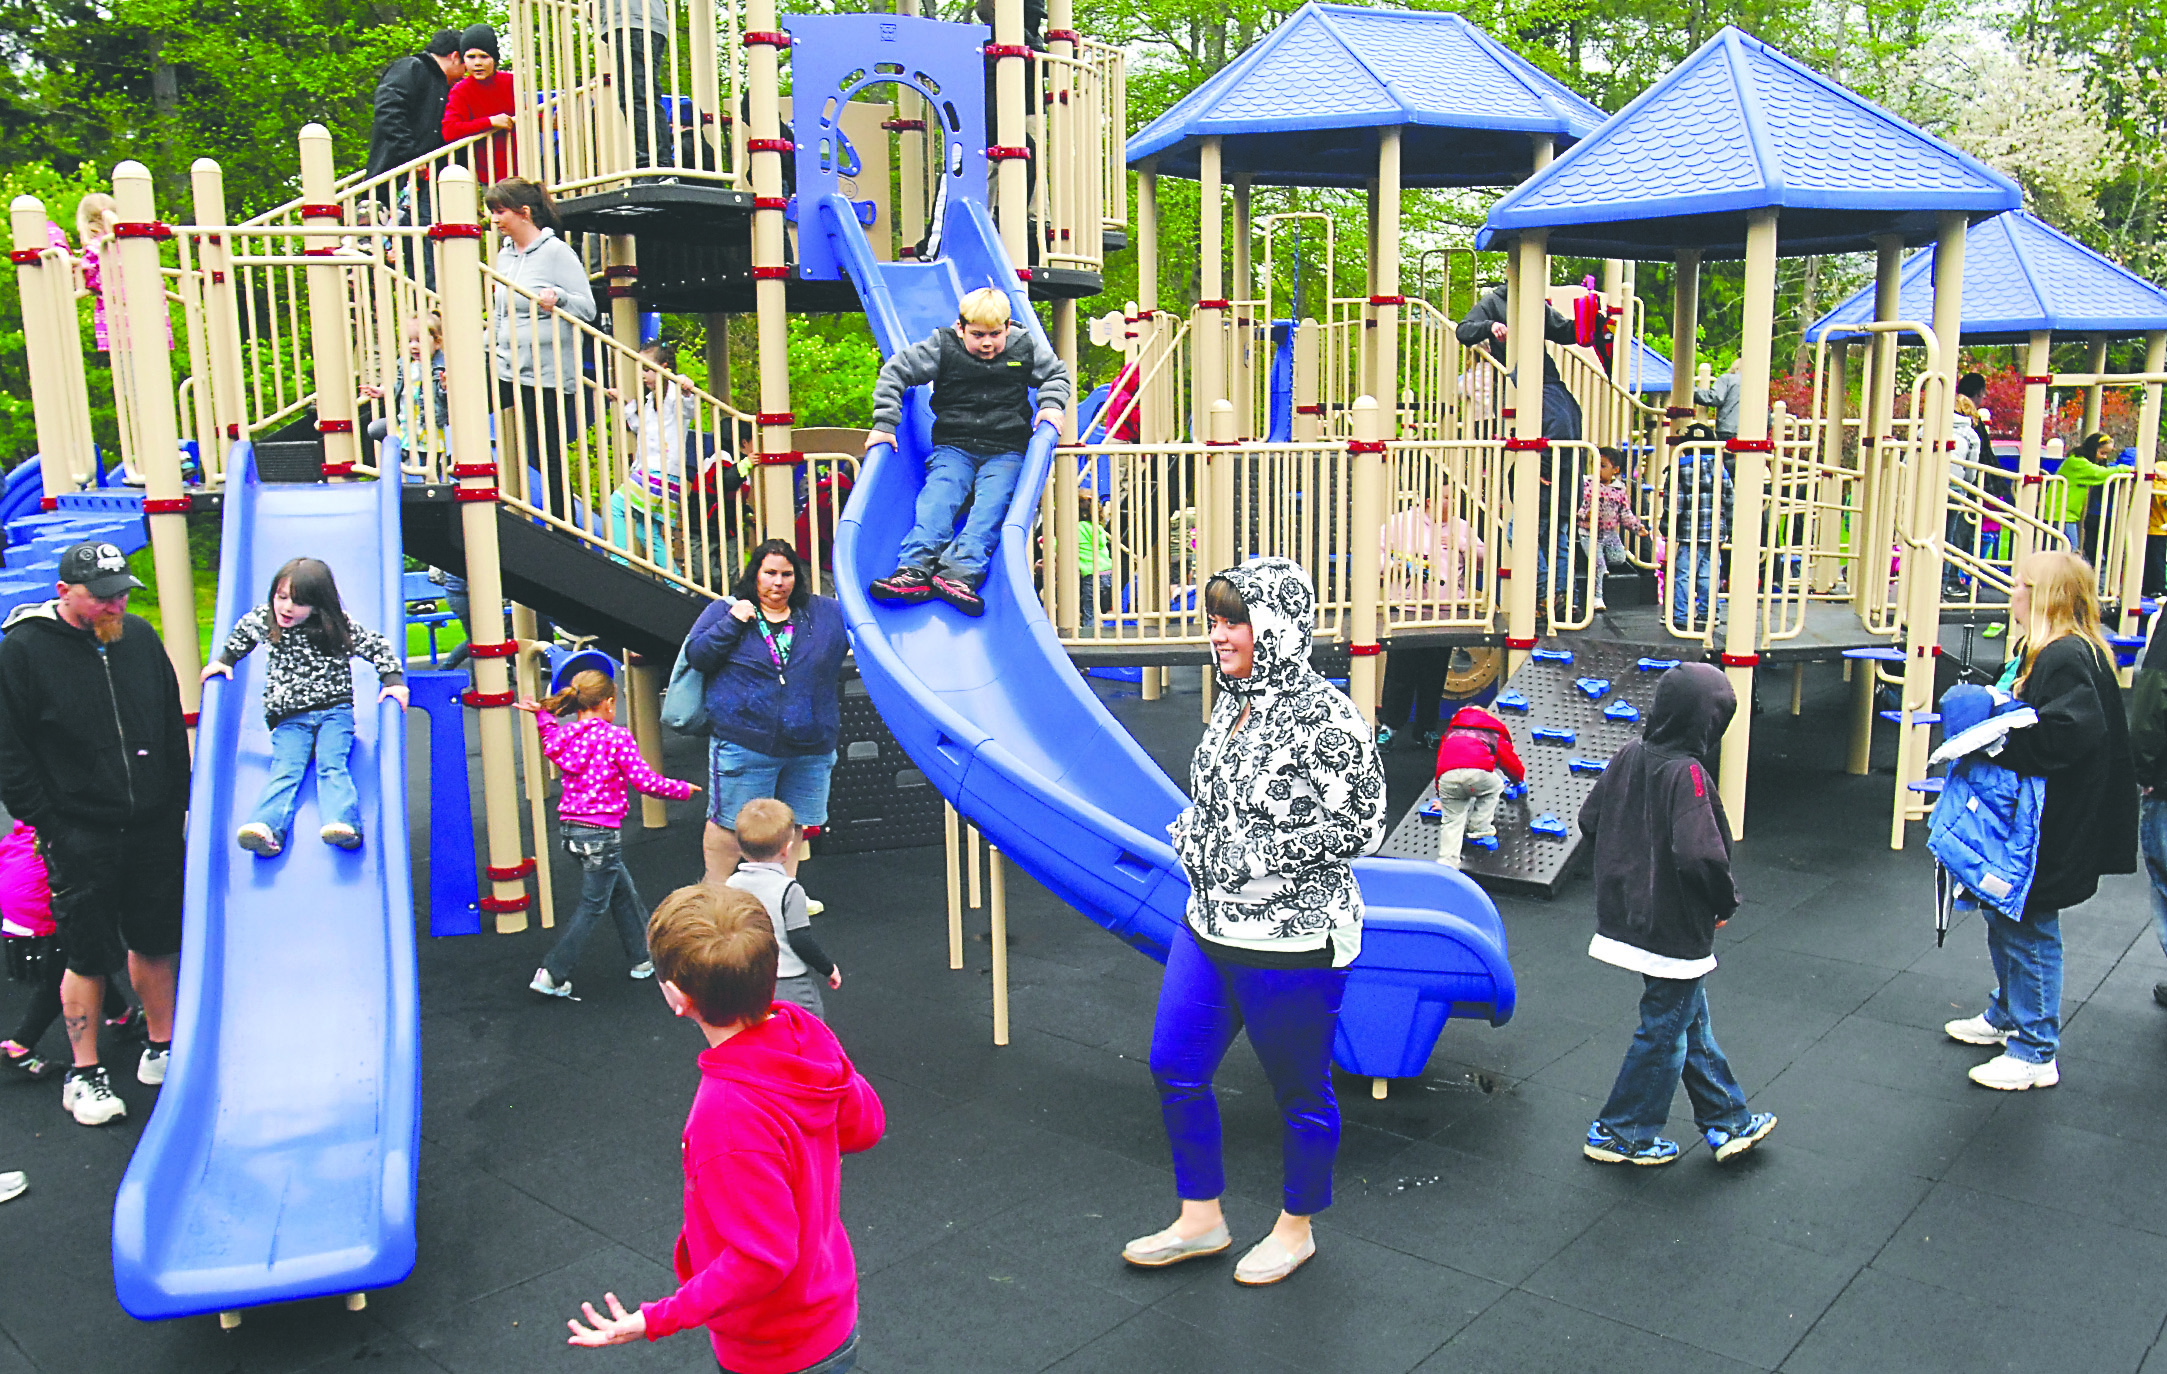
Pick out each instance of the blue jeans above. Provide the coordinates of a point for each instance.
(1291, 1015)
(736, 775)
(2028, 976)
(1675, 1040)
(1692, 565)
(951, 474)
(841, 1361)
(328, 735)
(2152, 841)
(605, 887)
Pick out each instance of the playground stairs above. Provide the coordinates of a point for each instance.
(36, 538)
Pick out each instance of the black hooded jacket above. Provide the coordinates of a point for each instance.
(409, 120)
(1662, 843)
(2081, 747)
(89, 738)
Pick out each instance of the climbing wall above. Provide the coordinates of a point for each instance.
(877, 798)
(1571, 707)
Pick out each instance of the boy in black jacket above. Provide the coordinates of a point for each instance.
(1662, 886)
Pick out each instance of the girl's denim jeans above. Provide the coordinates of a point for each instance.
(605, 887)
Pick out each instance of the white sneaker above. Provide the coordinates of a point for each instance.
(88, 1097)
(256, 838)
(2009, 1074)
(645, 968)
(340, 834)
(151, 1068)
(814, 906)
(12, 1185)
(1976, 1030)
(548, 986)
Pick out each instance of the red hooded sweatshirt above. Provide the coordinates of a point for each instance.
(1477, 739)
(466, 113)
(763, 1260)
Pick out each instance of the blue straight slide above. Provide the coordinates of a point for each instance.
(280, 1161)
(999, 719)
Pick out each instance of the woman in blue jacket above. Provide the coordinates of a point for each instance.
(772, 659)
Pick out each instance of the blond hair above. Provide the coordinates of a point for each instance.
(95, 217)
(987, 307)
(2064, 601)
(717, 947)
(587, 690)
(765, 827)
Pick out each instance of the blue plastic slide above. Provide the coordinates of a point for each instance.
(1000, 720)
(280, 1161)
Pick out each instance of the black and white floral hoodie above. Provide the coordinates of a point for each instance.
(1283, 804)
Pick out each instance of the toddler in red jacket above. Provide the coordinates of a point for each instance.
(763, 1261)
(1476, 746)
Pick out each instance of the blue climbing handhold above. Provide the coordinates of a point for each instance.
(1656, 665)
(1486, 843)
(1595, 688)
(1621, 710)
(1552, 655)
(1548, 826)
(1587, 765)
(1552, 735)
(1511, 701)
(1514, 791)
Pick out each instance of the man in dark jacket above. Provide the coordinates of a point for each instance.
(1662, 885)
(1487, 323)
(410, 104)
(94, 754)
(2148, 749)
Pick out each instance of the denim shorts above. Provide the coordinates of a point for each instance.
(736, 775)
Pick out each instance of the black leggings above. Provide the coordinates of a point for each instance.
(44, 1008)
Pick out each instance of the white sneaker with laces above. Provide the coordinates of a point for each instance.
(88, 1097)
(1976, 1030)
(2009, 1074)
(12, 1185)
(548, 986)
(645, 968)
(151, 1068)
(256, 838)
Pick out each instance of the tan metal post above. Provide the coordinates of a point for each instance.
(1224, 543)
(1308, 417)
(49, 330)
(467, 381)
(330, 344)
(1828, 530)
(1370, 460)
(763, 78)
(534, 765)
(1741, 639)
(910, 155)
(643, 685)
(999, 917)
(953, 847)
(1241, 355)
(221, 310)
(1524, 358)
(2095, 395)
(1207, 343)
(1386, 298)
(1067, 554)
(143, 298)
(1011, 70)
(2139, 520)
(1879, 501)
(2038, 365)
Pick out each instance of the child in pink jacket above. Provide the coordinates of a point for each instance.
(763, 1261)
(601, 763)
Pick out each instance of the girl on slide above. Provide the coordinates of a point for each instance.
(308, 694)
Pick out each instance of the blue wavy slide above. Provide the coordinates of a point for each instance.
(996, 716)
(280, 1160)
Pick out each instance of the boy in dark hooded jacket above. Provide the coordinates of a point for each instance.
(1662, 886)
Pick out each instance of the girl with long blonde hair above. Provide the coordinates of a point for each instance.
(2088, 827)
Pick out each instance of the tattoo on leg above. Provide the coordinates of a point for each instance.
(79, 1026)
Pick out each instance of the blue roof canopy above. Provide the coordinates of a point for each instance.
(1649, 370)
(1736, 127)
(2020, 274)
(1301, 107)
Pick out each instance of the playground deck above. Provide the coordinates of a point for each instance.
(1468, 1233)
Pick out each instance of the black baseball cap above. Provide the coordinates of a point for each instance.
(100, 569)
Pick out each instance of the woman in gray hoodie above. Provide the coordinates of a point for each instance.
(537, 351)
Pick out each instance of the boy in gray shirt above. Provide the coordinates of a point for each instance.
(766, 834)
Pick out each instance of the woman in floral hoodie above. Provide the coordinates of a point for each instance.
(1288, 789)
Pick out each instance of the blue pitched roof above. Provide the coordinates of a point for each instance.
(2020, 274)
(1652, 370)
(1738, 126)
(1300, 107)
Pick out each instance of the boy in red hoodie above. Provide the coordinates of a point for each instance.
(1476, 745)
(763, 1260)
(481, 101)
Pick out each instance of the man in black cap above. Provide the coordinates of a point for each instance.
(94, 755)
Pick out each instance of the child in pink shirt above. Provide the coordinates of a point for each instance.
(1609, 505)
(763, 1261)
(601, 763)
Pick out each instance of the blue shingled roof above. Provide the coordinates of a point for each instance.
(1301, 106)
(2020, 274)
(1652, 372)
(1738, 126)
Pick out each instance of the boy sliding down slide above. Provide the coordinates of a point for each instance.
(982, 371)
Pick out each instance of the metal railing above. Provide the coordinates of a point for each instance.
(1080, 178)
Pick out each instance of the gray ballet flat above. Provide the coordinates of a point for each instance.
(1162, 1248)
(1268, 1261)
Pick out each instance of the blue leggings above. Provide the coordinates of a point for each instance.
(1291, 1015)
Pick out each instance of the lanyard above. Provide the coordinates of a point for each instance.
(774, 651)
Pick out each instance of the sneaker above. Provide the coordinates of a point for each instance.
(548, 986)
(2009, 1074)
(959, 595)
(341, 834)
(1385, 734)
(129, 1025)
(1976, 1030)
(12, 1185)
(22, 1063)
(903, 587)
(88, 1096)
(1726, 1144)
(1268, 1261)
(645, 968)
(1606, 1146)
(256, 838)
(151, 1068)
(814, 906)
